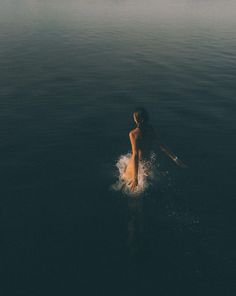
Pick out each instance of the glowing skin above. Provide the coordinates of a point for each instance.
(138, 144)
(139, 147)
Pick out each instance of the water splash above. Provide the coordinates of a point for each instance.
(147, 174)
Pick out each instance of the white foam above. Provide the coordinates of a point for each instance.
(146, 175)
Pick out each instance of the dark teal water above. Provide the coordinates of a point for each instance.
(71, 74)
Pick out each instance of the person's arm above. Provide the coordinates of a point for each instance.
(169, 153)
(134, 159)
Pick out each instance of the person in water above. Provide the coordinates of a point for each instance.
(142, 138)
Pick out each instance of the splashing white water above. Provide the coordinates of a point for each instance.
(146, 175)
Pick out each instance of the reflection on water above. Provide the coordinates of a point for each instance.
(135, 225)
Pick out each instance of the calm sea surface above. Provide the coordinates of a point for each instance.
(71, 74)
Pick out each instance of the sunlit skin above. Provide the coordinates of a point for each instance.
(140, 146)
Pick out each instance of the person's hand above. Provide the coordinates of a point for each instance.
(133, 184)
(180, 163)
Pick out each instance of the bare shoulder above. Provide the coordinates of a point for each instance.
(134, 133)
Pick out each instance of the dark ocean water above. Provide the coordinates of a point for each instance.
(71, 74)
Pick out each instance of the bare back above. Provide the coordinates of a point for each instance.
(144, 141)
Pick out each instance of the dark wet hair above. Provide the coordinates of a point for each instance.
(142, 117)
